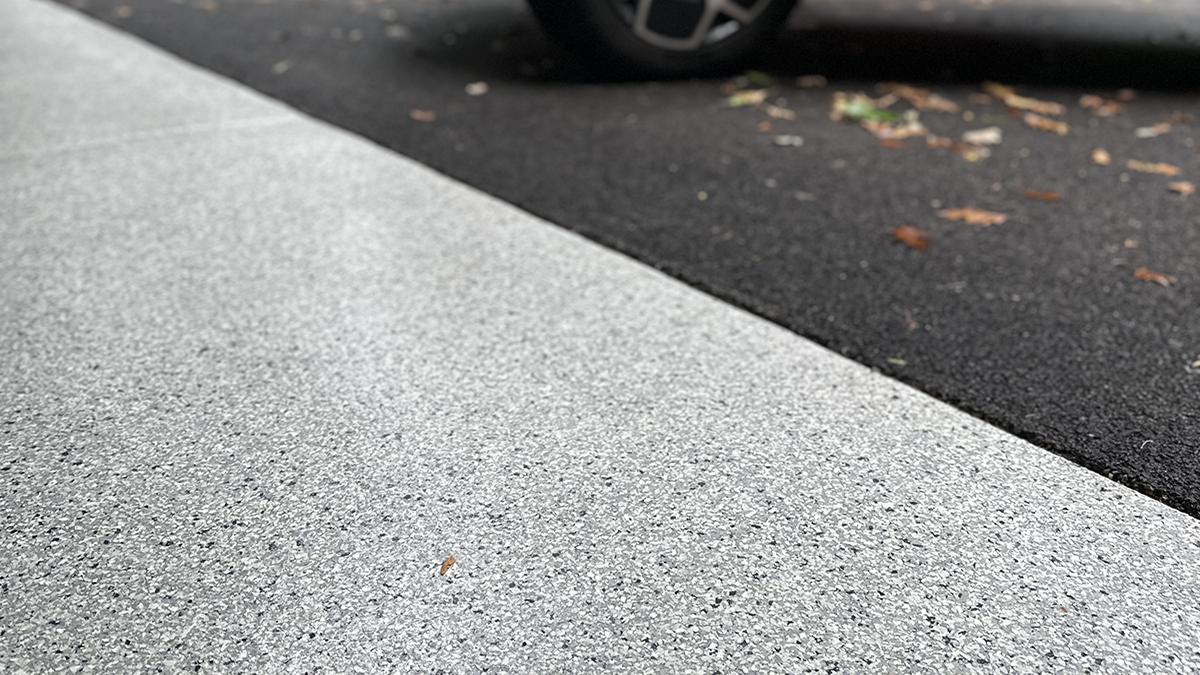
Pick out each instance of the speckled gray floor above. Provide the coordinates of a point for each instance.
(250, 401)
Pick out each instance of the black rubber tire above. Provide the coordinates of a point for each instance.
(595, 30)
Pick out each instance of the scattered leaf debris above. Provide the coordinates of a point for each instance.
(1157, 277)
(1043, 195)
(764, 126)
(791, 140)
(890, 131)
(891, 143)
(973, 216)
(1130, 242)
(1161, 168)
(921, 99)
(1012, 100)
(1046, 124)
(1100, 156)
(780, 113)
(1182, 187)
(984, 136)
(811, 81)
(422, 115)
(1100, 107)
(862, 108)
(746, 97)
(911, 235)
(446, 565)
(1152, 131)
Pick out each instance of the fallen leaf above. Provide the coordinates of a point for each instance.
(1012, 100)
(422, 115)
(932, 141)
(1126, 95)
(477, 88)
(897, 362)
(888, 130)
(1046, 124)
(973, 216)
(446, 565)
(912, 236)
(921, 98)
(1157, 277)
(861, 108)
(746, 97)
(910, 321)
(985, 136)
(810, 81)
(1161, 168)
(780, 113)
(1180, 118)
(1043, 195)
(1182, 187)
(1152, 132)
(764, 126)
(1100, 107)
(1130, 243)
(891, 143)
(281, 67)
(1100, 156)
(789, 140)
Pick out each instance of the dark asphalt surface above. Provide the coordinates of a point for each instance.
(1038, 325)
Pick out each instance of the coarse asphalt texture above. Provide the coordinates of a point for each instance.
(1038, 325)
(262, 416)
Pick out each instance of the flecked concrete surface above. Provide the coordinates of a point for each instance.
(250, 402)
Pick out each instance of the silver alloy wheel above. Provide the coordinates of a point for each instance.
(719, 20)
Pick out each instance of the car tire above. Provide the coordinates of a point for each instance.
(651, 38)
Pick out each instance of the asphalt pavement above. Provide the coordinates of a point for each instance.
(1040, 325)
(279, 400)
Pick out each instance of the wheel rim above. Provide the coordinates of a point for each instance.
(688, 25)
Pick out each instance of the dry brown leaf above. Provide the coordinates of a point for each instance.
(1010, 98)
(422, 115)
(764, 126)
(921, 98)
(973, 216)
(1152, 132)
(1180, 118)
(888, 130)
(1100, 107)
(1100, 156)
(1130, 242)
(1046, 124)
(1157, 277)
(1182, 187)
(446, 565)
(891, 143)
(939, 141)
(984, 136)
(912, 236)
(1161, 168)
(1043, 195)
(780, 113)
